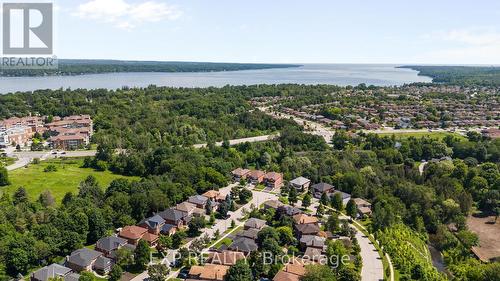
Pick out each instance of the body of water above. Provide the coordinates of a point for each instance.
(337, 74)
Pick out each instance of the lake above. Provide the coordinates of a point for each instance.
(337, 74)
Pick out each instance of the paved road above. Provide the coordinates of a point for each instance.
(239, 141)
(220, 225)
(25, 157)
(373, 269)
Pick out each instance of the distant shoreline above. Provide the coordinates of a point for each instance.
(69, 67)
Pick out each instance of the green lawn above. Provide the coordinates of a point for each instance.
(65, 179)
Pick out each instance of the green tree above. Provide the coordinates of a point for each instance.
(46, 199)
(116, 273)
(337, 202)
(142, 254)
(318, 273)
(351, 209)
(333, 223)
(195, 225)
(158, 272)
(20, 196)
(4, 177)
(86, 276)
(292, 196)
(306, 201)
(239, 272)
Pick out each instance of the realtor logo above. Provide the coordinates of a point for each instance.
(27, 28)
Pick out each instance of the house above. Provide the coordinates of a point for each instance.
(320, 188)
(108, 245)
(345, 196)
(255, 223)
(243, 244)
(312, 241)
(249, 233)
(272, 204)
(133, 234)
(52, 271)
(300, 183)
(307, 229)
(225, 258)
(88, 260)
(68, 141)
(213, 195)
(363, 206)
(273, 180)
(153, 224)
(173, 217)
(292, 271)
(211, 272)
(199, 201)
(240, 174)
(304, 219)
(152, 239)
(186, 208)
(314, 254)
(256, 176)
(169, 229)
(289, 210)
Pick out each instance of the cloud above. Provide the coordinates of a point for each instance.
(471, 46)
(127, 15)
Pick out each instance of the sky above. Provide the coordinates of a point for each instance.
(281, 31)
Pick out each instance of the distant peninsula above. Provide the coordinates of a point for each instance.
(460, 75)
(80, 67)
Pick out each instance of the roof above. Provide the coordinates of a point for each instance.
(226, 257)
(150, 237)
(297, 267)
(313, 254)
(307, 228)
(275, 204)
(133, 232)
(209, 271)
(256, 174)
(255, 223)
(286, 276)
(304, 219)
(290, 210)
(102, 263)
(322, 187)
(273, 176)
(240, 172)
(244, 244)
(211, 194)
(72, 277)
(250, 233)
(313, 241)
(167, 227)
(300, 181)
(171, 214)
(360, 201)
(185, 207)
(198, 200)
(342, 194)
(110, 243)
(153, 222)
(84, 257)
(50, 271)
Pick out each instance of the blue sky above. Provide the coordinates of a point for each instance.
(281, 31)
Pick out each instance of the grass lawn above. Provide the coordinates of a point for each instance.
(65, 179)
(435, 135)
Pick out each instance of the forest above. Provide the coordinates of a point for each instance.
(460, 75)
(157, 125)
(78, 67)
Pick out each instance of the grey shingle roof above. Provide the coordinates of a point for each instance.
(50, 271)
(110, 243)
(244, 244)
(198, 200)
(171, 214)
(102, 263)
(322, 187)
(153, 221)
(72, 277)
(84, 257)
(300, 181)
(255, 223)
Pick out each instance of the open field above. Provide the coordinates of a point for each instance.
(489, 238)
(65, 179)
(436, 135)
